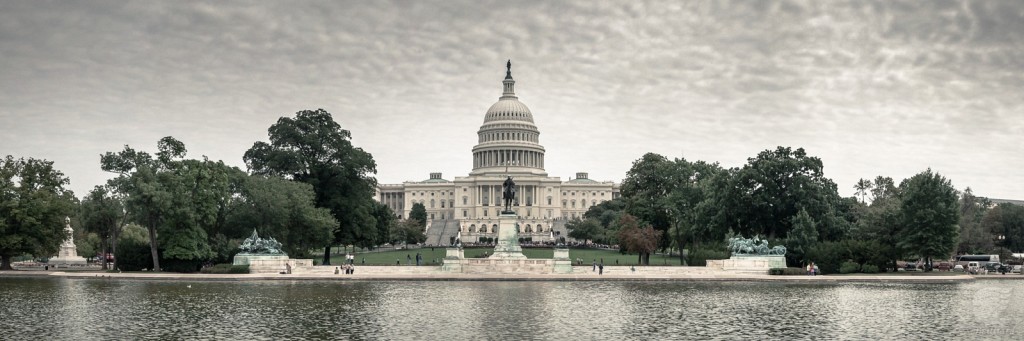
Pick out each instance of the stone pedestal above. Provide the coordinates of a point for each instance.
(67, 256)
(508, 238)
(262, 264)
(453, 260)
(562, 264)
(755, 263)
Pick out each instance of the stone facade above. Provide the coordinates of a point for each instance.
(508, 145)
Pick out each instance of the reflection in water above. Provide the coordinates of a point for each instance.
(82, 309)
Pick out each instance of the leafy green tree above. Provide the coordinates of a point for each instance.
(585, 229)
(142, 180)
(693, 182)
(974, 238)
(802, 238)
(284, 210)
(33, 206)
(1006, 220)
(863, 186)
(883, 187)
(134, 252)
(408, 231)
(187, 199)
(385, 219)
(929, 210)
(634, 238)
(763, 196)
(646, 187)
(313, 148)
(103, 212)
(418, 213)
(881, 222)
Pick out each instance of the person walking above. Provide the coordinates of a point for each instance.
(600, 269)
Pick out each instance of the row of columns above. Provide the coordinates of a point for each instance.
(503, 157)
(394, 200)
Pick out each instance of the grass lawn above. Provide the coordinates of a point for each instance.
(434, 256)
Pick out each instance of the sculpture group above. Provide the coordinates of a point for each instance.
(256, 245)
(754, 246)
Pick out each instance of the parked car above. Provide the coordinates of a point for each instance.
(973, 267)
(943, 266)
(1004, 268)
(958, 268)
(1016, 268)
(911, 266)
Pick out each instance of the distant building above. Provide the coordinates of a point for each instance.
(508, 145)
(1005, 201)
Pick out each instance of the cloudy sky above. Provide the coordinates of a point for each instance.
(872, 88)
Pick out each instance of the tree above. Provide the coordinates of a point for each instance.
(584, 229)
(418, 213)
(974, 238)
(1005, 223)
(863, 186)
(408, 231)
(929, 210)
(33, 206)
(881, 222)
(693, 181)
(802, 238)
(142, 179)
(642, 240)
(103, 212)
(187, 199)
(883, 187)
(284, 210)
(385, 219)
(763, 196)
(312, 148)
(646, 187)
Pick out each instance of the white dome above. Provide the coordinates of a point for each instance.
(508, 110)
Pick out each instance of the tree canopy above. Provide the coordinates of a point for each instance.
(33, 206)
(314, 149)
(929, 208)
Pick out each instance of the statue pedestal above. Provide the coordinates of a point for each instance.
(68, 256)
(754, 263)
(508, 238)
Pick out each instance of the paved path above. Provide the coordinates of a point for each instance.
(438, 276)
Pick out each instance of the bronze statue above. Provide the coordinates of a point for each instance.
(509, 193)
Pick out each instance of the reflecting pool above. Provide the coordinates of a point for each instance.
(86, 309)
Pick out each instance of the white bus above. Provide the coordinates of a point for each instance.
(981, 259)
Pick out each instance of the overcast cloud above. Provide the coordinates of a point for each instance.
(872, 88)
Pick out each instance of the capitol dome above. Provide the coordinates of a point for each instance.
(509, 142)
(508, 109)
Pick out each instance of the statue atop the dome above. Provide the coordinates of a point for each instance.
(508, 69)
(508, 194)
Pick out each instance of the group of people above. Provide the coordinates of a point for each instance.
(347, 268)
(812, 269)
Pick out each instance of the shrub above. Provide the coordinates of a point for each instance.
(226, 269)
(849, 267)
(699, 257)
(787, 271)
(181, 265)
(869, 269)
(133, 255)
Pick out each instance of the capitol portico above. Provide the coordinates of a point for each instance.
(508, 145)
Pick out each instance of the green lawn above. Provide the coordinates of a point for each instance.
(431, 256)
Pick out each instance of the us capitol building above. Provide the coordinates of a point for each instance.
(468, 206)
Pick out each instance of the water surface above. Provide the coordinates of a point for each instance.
(94, 309)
